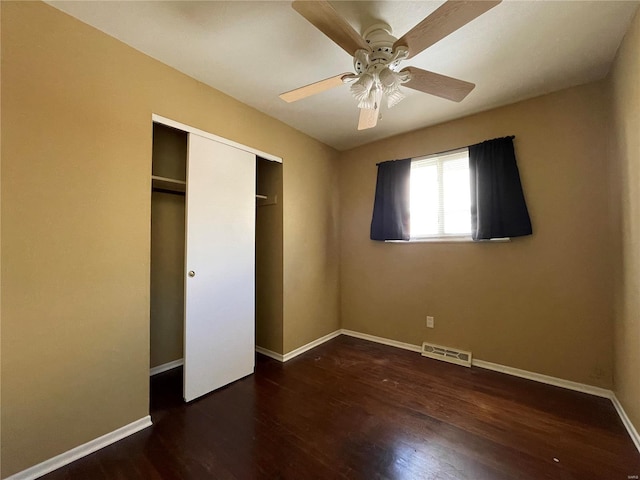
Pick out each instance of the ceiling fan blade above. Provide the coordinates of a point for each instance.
(448, 18)
(324, 17)
(438, 85)
(368, 117)
(313, 88)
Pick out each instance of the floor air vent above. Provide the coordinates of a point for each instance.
(446, 354)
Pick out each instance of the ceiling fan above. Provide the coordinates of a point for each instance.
(377, 56)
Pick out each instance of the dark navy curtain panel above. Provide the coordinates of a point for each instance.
(391, 206)
(498, 207)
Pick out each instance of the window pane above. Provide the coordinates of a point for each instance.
(456, 196)
(424, 199)
(440, 195)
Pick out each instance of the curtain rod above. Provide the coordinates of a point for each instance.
(453, 149)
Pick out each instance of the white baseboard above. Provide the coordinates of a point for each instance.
(382, 340)
(166, 366)
(76, 453)
(633, 433)
(300, 350)
(310, 345)
(538, 377)
(270, 353)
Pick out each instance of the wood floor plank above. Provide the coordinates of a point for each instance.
(352, 409)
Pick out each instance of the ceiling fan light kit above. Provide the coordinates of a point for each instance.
(377, 56)
(377, 69)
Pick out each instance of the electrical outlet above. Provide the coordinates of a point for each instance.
(430, 322)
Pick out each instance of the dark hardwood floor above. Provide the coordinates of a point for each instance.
(352, 409)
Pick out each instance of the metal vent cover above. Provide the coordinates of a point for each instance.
(446, 354)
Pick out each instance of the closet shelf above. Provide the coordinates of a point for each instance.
(179, 186)
(170, 184)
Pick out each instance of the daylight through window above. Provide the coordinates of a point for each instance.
(440, 200)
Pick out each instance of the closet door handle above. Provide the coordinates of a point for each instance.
(192, 273)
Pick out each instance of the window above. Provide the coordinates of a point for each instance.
(440, 201)
(430, 197)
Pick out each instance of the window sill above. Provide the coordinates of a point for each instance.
(449, 240)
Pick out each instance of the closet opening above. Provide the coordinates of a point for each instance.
(169, 163)
(216, 270)
(269, 255)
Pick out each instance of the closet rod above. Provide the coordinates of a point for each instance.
(168, 180)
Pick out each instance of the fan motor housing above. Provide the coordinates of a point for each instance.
(380, 53)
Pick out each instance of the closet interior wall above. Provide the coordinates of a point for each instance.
(269, 256)
(167, 246)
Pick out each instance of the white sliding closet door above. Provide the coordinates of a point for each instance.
(219, 337)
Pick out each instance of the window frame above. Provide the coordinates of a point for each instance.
(437, 159)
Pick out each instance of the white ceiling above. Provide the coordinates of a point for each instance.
(254, 51)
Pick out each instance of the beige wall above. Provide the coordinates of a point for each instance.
(625, 144)
(311, 308)
(76, 165)
(541, 303)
